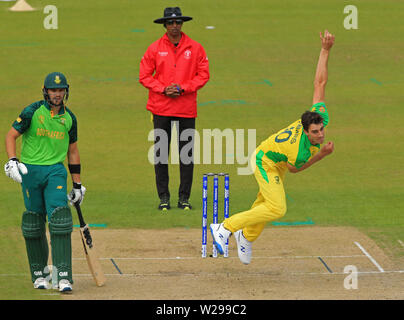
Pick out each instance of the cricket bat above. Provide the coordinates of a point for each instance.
(92, 259)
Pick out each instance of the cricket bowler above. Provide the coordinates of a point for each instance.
(294, 149)
(49, 133)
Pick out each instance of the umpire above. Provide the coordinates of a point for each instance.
(173, 68)
(49, 133)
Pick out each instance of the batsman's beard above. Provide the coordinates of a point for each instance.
(55, 104)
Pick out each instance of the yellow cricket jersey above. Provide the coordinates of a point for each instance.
(289, 145)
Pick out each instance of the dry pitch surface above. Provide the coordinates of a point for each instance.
(288, 263)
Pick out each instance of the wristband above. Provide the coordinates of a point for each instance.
(76, 185)
(74, 168)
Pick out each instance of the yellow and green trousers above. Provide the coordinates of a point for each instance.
(270, 204)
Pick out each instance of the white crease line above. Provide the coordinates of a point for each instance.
(400, 242)
(370, 257)
(344, 273)
(252, 274)
(308, 257)
(198, 258)
(221, 274)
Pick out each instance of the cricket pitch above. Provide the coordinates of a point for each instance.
(288, 263)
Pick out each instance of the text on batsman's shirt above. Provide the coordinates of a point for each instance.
(290, 145)
(45, 136)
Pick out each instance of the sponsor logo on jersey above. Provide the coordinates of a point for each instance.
(50, 134)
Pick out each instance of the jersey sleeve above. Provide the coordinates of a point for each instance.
(146, 70)
(202, 73)
(321, 109)
(73, 129)
(23, 122)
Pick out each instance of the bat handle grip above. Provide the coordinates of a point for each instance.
(81, 219)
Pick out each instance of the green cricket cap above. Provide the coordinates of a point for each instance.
(55, 80)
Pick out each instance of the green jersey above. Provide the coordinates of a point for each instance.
(45, 136)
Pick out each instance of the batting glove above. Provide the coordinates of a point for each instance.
(13, 168)
(77, 194)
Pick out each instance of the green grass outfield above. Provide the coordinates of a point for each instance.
(262, 60)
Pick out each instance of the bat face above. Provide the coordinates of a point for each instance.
(92, 260)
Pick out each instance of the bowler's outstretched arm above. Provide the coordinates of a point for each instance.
(321, 77)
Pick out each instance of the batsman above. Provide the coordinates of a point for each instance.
(49, 133)
(294, 149)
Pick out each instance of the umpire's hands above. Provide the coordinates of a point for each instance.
(172, 91)
(77, 194)
(13, 168)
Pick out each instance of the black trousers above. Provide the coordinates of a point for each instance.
(164, 125)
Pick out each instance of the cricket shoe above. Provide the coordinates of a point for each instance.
(220, 236)
(41, 283)
(244, 247)
(164, 204)
(184, 204)
(65, 285)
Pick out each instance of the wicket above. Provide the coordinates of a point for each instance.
(215, 209)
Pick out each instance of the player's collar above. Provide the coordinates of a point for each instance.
(307, 141)
(62, 109)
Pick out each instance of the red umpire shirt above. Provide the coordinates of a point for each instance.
(185, 64)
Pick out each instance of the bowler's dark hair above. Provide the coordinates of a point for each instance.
(310, 117)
